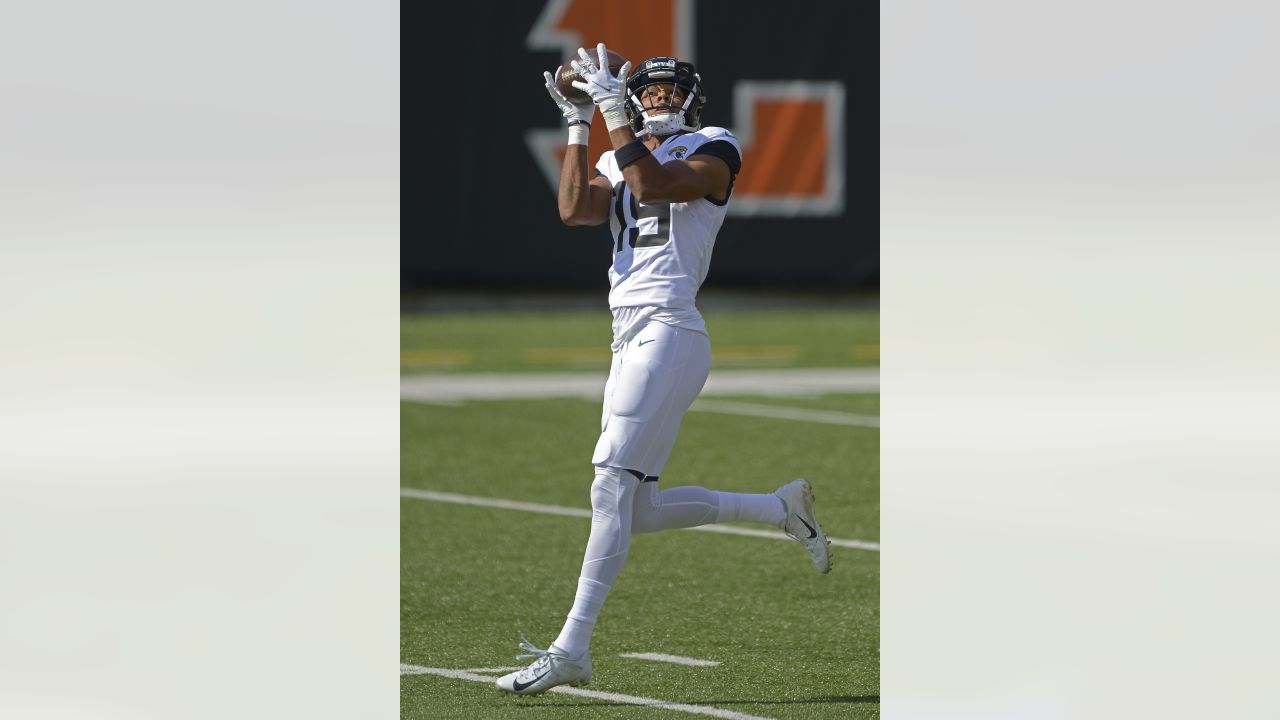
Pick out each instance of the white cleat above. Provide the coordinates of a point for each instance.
(552, 668)
(802, 523)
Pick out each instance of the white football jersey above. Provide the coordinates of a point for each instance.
(662, 251)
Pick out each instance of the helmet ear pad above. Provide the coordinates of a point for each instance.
(665, 70)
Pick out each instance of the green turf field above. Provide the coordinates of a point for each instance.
(792, 643)
(579, 340)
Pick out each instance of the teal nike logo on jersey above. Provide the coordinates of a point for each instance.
(642, 342)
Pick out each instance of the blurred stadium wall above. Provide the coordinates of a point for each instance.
(797, 84)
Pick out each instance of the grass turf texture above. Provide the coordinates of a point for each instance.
(579, 340)
(854, 404)
(792, 643)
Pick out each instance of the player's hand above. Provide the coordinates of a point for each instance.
(609, 93)
(573, 112)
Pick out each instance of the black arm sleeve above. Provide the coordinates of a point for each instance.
(724, 150)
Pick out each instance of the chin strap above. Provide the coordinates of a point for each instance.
(665, 124)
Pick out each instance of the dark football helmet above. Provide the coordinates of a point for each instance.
(665, 71)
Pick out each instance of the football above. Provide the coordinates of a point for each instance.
(567, 76)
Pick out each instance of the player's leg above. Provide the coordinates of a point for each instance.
(568, 660)
(687, 356)
(612, 492)
(690, 506)
(789, 508)
(653, 384)
(638, 387)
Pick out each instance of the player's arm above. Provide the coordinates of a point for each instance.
(581, 201)
(676, 181)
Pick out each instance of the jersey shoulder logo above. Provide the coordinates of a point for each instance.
(678, 152)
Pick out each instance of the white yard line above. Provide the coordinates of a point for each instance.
(611, 697)
(677, 659)
(494, 503)
(493, 670)
(584, 513)
(786, 382)
(832, 417)
(751, 532)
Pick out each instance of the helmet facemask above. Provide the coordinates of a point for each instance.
(675, 75)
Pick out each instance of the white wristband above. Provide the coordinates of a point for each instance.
(578, 134)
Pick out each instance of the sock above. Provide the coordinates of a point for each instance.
(762, 507)
(612, 493)
(575, 637)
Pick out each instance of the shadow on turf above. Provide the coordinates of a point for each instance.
(729, 701)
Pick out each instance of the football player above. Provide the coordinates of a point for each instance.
(664, 188)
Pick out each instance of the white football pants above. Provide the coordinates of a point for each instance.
(653, 381)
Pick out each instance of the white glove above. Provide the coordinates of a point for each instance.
(572, 111)
(609, 93)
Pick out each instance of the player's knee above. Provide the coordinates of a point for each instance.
(606, 490)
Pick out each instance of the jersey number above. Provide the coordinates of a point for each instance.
(661, 211)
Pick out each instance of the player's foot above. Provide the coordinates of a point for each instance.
(802, 522)
(552, 668)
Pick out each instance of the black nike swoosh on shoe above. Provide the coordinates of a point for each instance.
(520, 687)
(812, 533)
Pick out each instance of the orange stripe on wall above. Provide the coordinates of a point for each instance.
(634, 30)
(789, 152)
